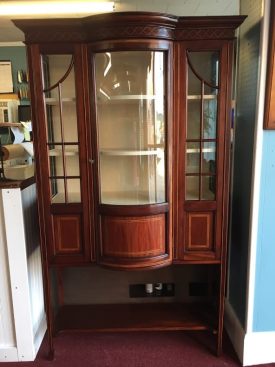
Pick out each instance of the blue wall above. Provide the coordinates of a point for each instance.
(17, 56)
(264, 302)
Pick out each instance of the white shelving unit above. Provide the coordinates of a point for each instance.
(22, 315)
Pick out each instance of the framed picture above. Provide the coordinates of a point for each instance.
(6, 84)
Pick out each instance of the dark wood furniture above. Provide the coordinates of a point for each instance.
(131, 117)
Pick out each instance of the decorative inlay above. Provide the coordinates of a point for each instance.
(55, 36)
(131, 32)
(209, 33)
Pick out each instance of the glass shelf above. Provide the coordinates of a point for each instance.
(128, 99)
(128, 198)
(118, 152)
(55, 101)
(205, 96)
(58, 152)
(204, 150)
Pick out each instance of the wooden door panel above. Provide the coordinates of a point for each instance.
(134, 242)
(67, 234)
(68, 246)
(199, 232)
(133, 237)
(200, 240)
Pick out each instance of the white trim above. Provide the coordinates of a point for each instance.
(38, 338)
(16, 245)
(8, 354)
(257, 165)
(251, 348)
(259, 348)
(12, 44)
(234, 329)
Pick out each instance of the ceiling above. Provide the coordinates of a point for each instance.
(10, 35)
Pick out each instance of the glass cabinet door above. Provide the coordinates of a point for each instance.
(62, 133)
(201, 136)
(130, 98)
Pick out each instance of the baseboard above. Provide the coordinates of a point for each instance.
(39, 335)
(8, 354)
(251, 348)
(234, 330)
(259, 348)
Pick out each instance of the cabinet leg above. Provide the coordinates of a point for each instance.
(219, 345)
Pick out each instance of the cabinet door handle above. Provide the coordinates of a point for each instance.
(92, 161)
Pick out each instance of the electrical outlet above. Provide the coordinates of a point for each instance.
(152, 290)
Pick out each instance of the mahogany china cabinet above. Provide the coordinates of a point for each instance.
(131, 122)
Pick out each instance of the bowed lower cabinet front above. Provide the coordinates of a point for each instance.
(131, 121)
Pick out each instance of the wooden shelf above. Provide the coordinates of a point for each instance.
(10, 124)
(135, 317)
(8, 96)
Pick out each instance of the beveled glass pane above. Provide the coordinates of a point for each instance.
(135, 179)
(54, 68)
(194, 84)
(193, 118)
(53, 123)
(131, 126)
(192, 157)
(192, 188)
(73, 190)
(69, 121)
(208, 187)
(72, 160)
(209, 116)
(206, 65)
(209, 157)
(55, 160)
(57, 191)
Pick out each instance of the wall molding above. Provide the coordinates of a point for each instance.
(39, 335)
(259, 348)
(252, 348)
(234, 330)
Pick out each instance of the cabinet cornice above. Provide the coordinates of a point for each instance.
(128, 25)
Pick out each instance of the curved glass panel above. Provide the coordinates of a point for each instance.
(131, 126)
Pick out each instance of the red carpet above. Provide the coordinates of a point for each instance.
(151, 349)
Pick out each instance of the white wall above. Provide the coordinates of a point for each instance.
(181, 7)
